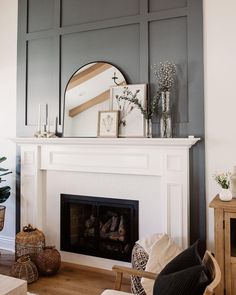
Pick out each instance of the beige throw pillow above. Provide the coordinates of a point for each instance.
(148, 242)
(162, 252)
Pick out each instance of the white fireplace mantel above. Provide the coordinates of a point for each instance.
(171, 142)
(153, 170)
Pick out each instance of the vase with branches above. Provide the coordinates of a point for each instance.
(165, 74)
(4, 192)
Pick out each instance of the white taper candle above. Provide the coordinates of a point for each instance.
(39, 119)
(46, 114)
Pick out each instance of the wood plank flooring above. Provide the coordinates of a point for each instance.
(70, 280)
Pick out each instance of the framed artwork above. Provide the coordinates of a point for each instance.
(131, 120)
(108, 123)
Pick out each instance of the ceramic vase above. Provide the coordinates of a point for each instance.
(225, 194)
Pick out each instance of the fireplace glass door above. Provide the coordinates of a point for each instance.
(102, 227)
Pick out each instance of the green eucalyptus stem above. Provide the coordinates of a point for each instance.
(5, 190)
(132, 98)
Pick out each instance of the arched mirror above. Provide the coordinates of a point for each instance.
(87, 93)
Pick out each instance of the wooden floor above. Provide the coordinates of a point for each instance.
(70, 280)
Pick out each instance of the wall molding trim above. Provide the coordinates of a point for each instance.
(56, 37)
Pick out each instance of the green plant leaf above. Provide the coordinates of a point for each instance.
(5, 174)
(4, 193)
(2, 159)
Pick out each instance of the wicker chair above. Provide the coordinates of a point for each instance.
(208, 259)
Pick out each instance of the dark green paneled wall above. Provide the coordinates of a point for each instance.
(56, 37)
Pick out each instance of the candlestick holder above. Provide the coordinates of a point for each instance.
(44, 134)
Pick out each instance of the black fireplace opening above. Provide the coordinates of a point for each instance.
(98, 226)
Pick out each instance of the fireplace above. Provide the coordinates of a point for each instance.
(153, 171)
(97, 226)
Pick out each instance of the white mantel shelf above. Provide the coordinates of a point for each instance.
(154, 171)
(142, 141)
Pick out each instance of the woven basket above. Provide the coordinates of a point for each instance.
(30, 241)
(24, 269)
(2, 216)
(48, 261)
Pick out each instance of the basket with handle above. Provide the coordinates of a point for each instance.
(29, 241)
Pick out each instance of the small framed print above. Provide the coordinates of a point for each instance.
(108, 123)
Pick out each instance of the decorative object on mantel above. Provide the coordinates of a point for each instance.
(223, 179)
(108, 123)
(29, 241)
(48, 260)
(45, 133)
(58, 128)
(165, 74)
(130, 100)
(146, 111)
(24, 269)
(88, 92)
(4, 192)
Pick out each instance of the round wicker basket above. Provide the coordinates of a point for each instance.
(2, 216)
(25, 269)
(48, 261)
(29, 241)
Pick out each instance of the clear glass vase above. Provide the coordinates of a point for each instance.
(165, 125)
(148, 125)
(165, 121)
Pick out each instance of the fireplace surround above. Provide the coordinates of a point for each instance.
(153, 171)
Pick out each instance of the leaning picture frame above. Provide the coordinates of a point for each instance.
(131, 121)
(108, 123)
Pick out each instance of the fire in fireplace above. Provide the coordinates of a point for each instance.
(97, 226)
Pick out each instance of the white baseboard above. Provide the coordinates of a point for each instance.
(7, 243)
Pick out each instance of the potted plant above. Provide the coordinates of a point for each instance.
(4, 192)
(223, 179)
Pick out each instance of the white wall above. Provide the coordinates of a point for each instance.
(220, 94)
(8, 50)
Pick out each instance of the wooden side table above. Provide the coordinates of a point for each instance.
(225, 244)
(12, 286)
